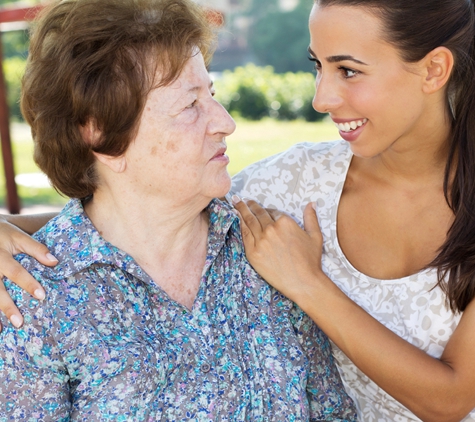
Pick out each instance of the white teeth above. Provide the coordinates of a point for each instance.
(349, 126)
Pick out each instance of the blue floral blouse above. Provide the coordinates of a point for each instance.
(108, 344)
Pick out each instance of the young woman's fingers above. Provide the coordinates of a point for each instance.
(247, 236)
(8, 308)
(22, 242)
(260, 213)
(247, 217)
(275, 214)
(15, 272)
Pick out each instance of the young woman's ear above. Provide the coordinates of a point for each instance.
(438, 65)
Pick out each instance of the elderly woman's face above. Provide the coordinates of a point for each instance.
(179, 151)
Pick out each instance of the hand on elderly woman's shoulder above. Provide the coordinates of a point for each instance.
(12, 242)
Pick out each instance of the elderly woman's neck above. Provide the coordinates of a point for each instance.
(163, 223)
(168, 242)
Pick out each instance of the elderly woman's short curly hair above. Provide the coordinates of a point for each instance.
(96, 60)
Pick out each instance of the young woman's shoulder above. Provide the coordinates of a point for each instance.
(287, 180)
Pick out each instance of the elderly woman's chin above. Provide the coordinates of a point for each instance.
(222, 184)
(209, 189)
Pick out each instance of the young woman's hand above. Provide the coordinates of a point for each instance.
(279, 250)
(14, 241)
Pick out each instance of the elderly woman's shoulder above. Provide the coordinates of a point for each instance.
(67, 236)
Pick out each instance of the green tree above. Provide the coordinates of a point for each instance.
(278, 38)
(15, 50)
(254, 92)
(15, 43)
(13, 68)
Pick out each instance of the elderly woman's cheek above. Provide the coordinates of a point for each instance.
(188, 116)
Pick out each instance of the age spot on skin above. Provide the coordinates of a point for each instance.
(171, 146)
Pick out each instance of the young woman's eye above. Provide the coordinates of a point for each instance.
(348, 73)
(317, 66)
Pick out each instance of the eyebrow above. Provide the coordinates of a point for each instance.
(339, 58)
(197, 88)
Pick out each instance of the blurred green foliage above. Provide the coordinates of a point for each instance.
(15, 50)
(15, 44)
(13, 69)
(254, 92)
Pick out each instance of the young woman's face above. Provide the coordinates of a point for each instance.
(375, 99)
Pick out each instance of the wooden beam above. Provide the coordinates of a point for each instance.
(18, 14)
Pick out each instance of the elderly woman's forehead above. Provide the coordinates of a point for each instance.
(194, 73)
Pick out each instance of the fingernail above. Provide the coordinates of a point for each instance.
(235, 199)
(314, 206)
(39, 294)
(51, 257)
(16, 321)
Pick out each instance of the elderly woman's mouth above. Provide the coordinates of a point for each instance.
(221, 156)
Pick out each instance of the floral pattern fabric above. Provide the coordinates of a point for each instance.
(411, 307)
(107, 344)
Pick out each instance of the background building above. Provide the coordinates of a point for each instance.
(264, 32)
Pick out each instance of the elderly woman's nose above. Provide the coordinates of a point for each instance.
(221, 121)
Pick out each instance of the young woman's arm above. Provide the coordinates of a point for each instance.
(28, 223)
(289, 258)
(14, 240)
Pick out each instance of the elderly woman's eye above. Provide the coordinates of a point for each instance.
(192, 104)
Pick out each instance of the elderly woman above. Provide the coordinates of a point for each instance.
(153, 312)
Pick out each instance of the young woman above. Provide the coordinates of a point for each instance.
(395, 203)
(393, 287)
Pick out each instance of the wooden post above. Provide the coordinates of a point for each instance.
(13, 201)
(11, 13)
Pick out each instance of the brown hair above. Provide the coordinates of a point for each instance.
(416, 27)
(96, 60)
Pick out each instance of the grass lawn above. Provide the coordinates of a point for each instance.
(251, 142)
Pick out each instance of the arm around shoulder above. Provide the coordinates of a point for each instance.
(12, 242)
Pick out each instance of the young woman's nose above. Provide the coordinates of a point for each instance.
(327, 97)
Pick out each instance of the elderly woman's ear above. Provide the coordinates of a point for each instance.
(92, 135)
(115, 164)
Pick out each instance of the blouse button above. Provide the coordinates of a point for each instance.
(205, 367)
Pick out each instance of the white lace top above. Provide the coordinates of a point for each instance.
(407, 306)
